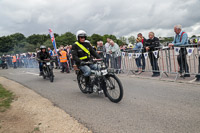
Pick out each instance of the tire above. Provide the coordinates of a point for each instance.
(81, 82)
(112, 83)
(44, 77)
(51, 76)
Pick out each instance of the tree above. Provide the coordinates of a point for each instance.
(113, 37)
(95, 38)
(131, 39)
(6, 44)
(18, 37)
(36, 38)
(123, 39)
(66, 39)
(193, 36)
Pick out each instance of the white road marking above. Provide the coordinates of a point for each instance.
(191, 81)
(32, 73)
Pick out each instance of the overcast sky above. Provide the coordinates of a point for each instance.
(118, 17)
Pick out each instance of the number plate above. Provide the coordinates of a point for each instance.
(48, 63)
(104, 72)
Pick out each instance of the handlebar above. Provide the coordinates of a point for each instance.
(46, 61)
(92, 62)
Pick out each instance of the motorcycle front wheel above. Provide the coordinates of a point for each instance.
(114, 88)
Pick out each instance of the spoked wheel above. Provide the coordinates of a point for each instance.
(44, 74)
(81, 82)
(51, 76)
(114, 88)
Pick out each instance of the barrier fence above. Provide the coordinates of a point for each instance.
(178, 60)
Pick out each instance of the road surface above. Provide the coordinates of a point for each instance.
(148, 106)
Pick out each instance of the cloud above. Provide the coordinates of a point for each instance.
(122, 18)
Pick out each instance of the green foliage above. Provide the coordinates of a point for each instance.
(6, 98)
(131, 39)
(167, 39)
(123, 39)
(6, 44)
(66, 39)
(37, 39)
(95, 38)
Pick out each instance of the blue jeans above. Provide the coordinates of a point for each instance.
(87, 69)
(107, 59)
(138, 61)
(41, 66)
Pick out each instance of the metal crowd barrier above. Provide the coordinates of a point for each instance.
(167, 60)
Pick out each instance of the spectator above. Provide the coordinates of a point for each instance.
(50, 51)
(107, 46)
(101, 50)
(116, 56)
(51, 54)
(14, 60)
(143, 51)
(198, 75)
(181, 38)
(152, 44)
(138, 49)
(71, 62)
(63, 60)
(55, 57)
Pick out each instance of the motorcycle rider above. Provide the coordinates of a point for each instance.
(82, 52)
(41, 56)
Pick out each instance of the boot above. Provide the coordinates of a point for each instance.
(41, 73)
(88, 85)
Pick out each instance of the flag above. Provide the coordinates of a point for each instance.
(190, 51)
(155, 53)
(146, 55)
(129, 55)
(123, 54)
(176, 50)
(137, 55)
(53, 39)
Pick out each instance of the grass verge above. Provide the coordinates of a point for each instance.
(6, 98)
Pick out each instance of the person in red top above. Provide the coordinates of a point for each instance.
(63, 60)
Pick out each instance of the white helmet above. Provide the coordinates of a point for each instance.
(81, 33)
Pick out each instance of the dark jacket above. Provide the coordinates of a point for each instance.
(77, 52)
(43, 55)
(153, 44)
(144, 45)
(103, 51)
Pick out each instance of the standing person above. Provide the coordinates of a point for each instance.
(14, 60)
(181, 38)
(63, 60)
(101, 50)
(116, 56)
(143, 51)
(107, 46)
(151, 45)
(71, 62)
(138, 49)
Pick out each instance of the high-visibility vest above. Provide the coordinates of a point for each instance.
(63, 57)
(14, 59)
(84, 49)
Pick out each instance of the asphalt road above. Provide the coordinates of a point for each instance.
(148, 106)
